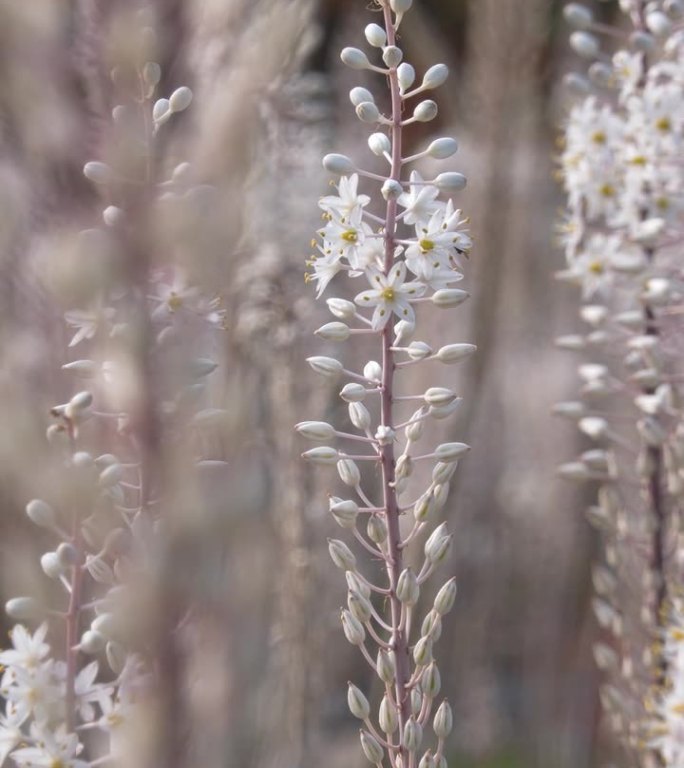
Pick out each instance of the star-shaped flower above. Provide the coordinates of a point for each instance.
(390, 294)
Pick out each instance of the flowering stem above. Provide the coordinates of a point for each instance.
(394, 561)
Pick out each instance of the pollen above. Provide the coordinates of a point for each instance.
(596, 268)
(388, 294)
(350, 236)
(664, 124)
(607, 190)
(426, 245)
(598, 137)
(174, 302)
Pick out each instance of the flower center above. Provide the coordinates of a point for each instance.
(596, 268)
(350, 236)
(599, 137)
(607, 190)
(426, 245)
(664, 124)
(388, 294)
(174, 301)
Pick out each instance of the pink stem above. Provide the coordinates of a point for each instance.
(399, 641)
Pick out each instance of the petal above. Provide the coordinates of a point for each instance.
(368, 299)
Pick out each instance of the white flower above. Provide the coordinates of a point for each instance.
(53, 749)
(346, 238)
(88, 323)
(390, 295)
(439, 243)
(10, 733)
(420, 201)
(348, 202)
(88, 691)
(29, 649)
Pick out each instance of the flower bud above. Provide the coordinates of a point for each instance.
(442, 472)
(23, 608)
(439, 396)
(422, 652)
(576, 84)
(416, 700)
(359, 416)
(578, 15)
(355, 584)
(384, 666)
(359, 95)
(443, 721)
(435, 545)
(427, 761)
(425, 111)
(379, 144)
(658, 23)
(594, 427)
(116, 657)
(448, 298)
(408, 590)
(441, 494)
(325, 366)
(180, 99)
(403, 331)
(111, 476)
(98, 173)
(414, 430)
(40, 513)
(441, 149)
(418, 350)
(392, 56)
(104, 624)
(388, 717)
(338, 164)
(372, 370)
(345, 310)
(570, 409)
(345, 512)
(92, 642)
(400, 6)
(412, 736)
(448, 452)
(359, 606)
(316, 430)
(353, 392)
(333, 332)
(349, 472)
(585, 45)
(642, 41)
(674, 8)
(454, 353)
(446, 596)
(424, 507)
(51, 565)
(391, 189)
(341, 555)
(436, 76)
(358, 703)
(432, 625)
(367, 112)
(404, 467)
(321, 455)
(151, 73)
(371, 748)
(355, 58)
(67, 554)
(353, 628)
(450, 182)
(161, 111)
(375, 35)
(377, 529)
(431, 681)
(406, 76)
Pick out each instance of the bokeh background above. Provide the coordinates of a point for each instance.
(264, 677)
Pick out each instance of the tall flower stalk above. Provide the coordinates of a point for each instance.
(623, 177)
(414, 232)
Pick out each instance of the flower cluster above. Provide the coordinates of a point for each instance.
(410, 254)
(71, 707)
(623, 175)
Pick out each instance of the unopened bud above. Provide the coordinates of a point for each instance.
(436, 76)
(316, 430)
(585, 45)
(448, 452)
(578, 15)
(325, 366)
(377, 529)
(425, 111)
(355, 58)
(408, 590)
(406, 75)
(98, 173)
(412, 736)
(443, 721)
(446, 596)
(358, 703)
(359, 95)
(375, 35)
(51, 565)
(180, 99)
(321, 455)
(341, 555)
(353, 392)
(379, 144)
(422, 652)
(345, 310)
(384, 666)
(338, 164)
(333, 332)
(23, 608)
(371, 748)
(40, 513)
(345, 512)
(359, 416)
(448, 298)
(441, 149)
(367, 112)
(92, 642)
(353, 628)
(349, 472)
(431, 681)
(451, 182)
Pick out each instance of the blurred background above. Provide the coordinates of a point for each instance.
(265, 674)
